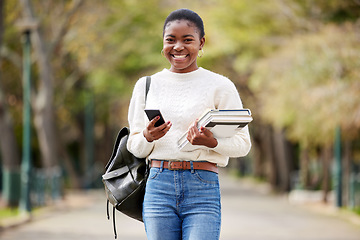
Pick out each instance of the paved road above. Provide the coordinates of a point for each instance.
(248, 213)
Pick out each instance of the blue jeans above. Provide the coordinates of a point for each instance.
(182, 205)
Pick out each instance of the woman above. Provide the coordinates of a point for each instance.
(182, 199)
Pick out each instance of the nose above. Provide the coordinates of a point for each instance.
(178, 46)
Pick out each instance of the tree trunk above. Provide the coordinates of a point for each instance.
(258, 152)
(10, 156)
(283, 161)
(9, 148)
(67, 163)
(304, 167)
(326, 180)
(269, 158)
(346, 172)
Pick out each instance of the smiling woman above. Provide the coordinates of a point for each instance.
(182, 196)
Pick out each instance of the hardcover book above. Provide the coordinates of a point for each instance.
(222, 123)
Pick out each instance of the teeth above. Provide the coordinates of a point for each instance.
(179, 56)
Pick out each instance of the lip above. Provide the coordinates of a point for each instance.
(179, 57)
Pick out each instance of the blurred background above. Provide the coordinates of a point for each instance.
(68, 67)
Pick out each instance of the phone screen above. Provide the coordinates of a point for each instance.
(152, 113)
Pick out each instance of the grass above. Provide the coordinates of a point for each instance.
(357, 211)
(8, 212)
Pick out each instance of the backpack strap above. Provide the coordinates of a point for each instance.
(148, 81)
(114, 223)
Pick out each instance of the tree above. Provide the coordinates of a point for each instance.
(241, 33)
(8, 145)
(310, 87)
(123, 44)
(323, 69)
(43, 99)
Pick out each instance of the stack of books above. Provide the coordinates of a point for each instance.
(222, 123)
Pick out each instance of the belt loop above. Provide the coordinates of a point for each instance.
(192, 166)
(162, 166)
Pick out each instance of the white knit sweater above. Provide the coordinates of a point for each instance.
(181, 98)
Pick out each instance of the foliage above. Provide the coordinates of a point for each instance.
(115, 44)
(248, 30)
(337, 11)
(311, 85)
(120, 43)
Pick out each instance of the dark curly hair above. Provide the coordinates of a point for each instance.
(186, 14)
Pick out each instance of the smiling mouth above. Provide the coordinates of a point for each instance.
(179, 56)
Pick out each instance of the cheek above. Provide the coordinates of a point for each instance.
(195, 50)
(166, 48)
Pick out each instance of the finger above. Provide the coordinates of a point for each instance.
(196, 123)
(193, 132)
(153, 121)
(166, 126)
(206, 132)
(162, 130)
(195, 127)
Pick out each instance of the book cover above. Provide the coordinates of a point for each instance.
(222, 123)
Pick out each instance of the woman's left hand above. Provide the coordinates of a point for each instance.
(202, 136)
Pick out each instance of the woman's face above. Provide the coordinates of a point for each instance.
(181, 45)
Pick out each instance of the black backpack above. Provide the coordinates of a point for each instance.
(125, 177)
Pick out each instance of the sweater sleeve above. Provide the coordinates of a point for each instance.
(137, 143)
(240, 144)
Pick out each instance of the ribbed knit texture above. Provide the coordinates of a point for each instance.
(181, 98)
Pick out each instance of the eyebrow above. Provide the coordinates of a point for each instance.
(185, 36)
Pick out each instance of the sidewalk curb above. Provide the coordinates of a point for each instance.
(14, 221)
(72, 200)
(305, 199)
(332, 211)
(311, 200)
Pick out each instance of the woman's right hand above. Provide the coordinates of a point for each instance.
(152, 133)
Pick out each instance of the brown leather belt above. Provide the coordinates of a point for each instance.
(184, 165)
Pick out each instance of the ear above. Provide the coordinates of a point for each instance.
(202, 43)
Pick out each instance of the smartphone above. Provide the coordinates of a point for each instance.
(152, 113)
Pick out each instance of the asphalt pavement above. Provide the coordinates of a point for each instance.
(250, 212)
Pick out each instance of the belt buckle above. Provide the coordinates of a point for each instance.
(174, 168)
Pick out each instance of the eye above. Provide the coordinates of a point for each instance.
(169, 39)
(188, 40)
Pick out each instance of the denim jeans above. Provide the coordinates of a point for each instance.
(182, 205)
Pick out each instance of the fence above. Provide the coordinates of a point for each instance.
(46, 186)
(354, 191)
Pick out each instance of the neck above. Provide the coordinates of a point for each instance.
(175, 70)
